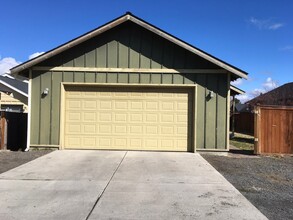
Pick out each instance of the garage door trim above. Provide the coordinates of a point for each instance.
(192, 88)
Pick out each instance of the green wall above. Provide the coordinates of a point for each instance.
(130, 46)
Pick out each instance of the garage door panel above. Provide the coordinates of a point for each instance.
(105, 117)
(136, 129)
(182, 118)
(167, 118)
(167, 130)
(105, 104)
(89, 129)
(73, 104)
(136, 117)
(73, 129)
(89, 142)
(135, 143)
(121, 117)
(104, 143)
(152, 105)
(105, 129)
(73, 116)
(73, 142)
(89, 105)
(89, 116)
(127, 120)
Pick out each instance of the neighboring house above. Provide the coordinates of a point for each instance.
(239, 107)
(13, 102)
(281, 96)
(129, 85)
(14, 94)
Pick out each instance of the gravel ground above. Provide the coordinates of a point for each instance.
(12, 159)
(267, 182)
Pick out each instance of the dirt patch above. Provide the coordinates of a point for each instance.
(12, 159)
(267, 182)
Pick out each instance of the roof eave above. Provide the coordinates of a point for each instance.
(186, 46)
(15, 70)
(236, 90)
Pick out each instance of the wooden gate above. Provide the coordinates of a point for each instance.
(273, 130)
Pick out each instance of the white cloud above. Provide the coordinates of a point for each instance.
(34, 55)
(237, 82)
(257, 92)
(6, 64)
(265, 24)
(258, 23)
(243, 98)
(9, 62)
(287, 48)
(275, 26)
(268, 85)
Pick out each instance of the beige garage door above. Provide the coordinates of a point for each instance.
(127, 119)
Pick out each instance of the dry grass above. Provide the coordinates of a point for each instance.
(242, 141)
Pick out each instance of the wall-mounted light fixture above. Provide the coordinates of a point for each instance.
(211, 94)
(45, 92)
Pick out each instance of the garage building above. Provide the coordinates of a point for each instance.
(128, 85)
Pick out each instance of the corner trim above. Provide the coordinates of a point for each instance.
(28, 141)
(228, 113)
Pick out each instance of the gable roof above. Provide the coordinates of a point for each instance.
(14, 84)
(282, 95)
(129, 17)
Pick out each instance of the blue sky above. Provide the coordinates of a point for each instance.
(254, 35)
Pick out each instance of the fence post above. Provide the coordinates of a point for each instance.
(233, 116)
(3, 131)
(257, 126)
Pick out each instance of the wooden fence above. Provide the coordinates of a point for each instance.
(244, 123)
(273, 130)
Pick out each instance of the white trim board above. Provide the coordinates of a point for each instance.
(126, 70)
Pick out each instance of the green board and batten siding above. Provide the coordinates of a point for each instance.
(130, 46)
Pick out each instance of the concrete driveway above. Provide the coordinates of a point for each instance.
(120, 185)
